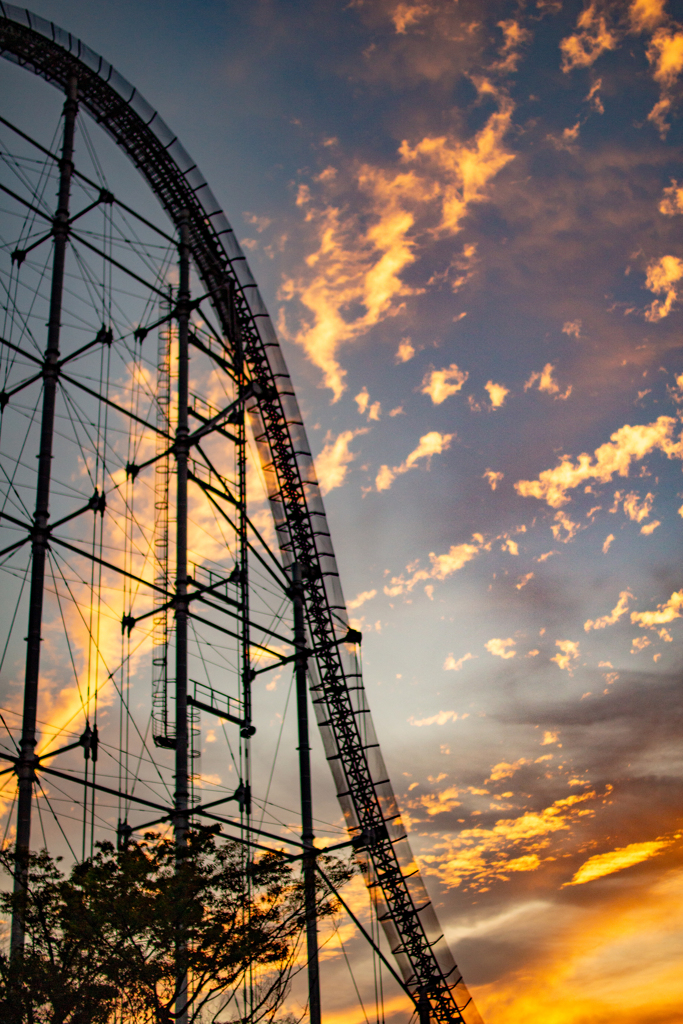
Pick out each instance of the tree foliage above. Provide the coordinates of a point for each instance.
(102, 941)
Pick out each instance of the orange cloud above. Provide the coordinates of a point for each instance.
(645, 15)
(499, 647)
(583, 48)
(617, 860)
(405, 351)
(547, 383)
(366, 595)
(662, 278)
(628, 444)
(641, 930)
(333, 462)
(619, 609)
(504, 770)
(497, 394)
(359, 259)
(635, 511)
(665, 53)
(441, 384)
(430, 444)
(672, 200)
(451, 665)
(405, 15)
(568, 654)
(664, 613)
(480, 855)
(493, 478)
(439, 719)
(442, 566)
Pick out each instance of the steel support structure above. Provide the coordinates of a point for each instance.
(181, 796)
(307, 836)
(26, 764)
(250, 345)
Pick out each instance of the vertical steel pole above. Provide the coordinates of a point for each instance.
(424, 1008)
(181, 614)
(26, 762)
(306, 797)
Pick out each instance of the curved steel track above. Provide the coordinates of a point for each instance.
(363, 788)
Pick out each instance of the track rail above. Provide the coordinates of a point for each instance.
(363, 787)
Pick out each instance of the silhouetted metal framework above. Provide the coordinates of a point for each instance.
(250, 345)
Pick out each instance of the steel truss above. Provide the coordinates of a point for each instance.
(246, 349)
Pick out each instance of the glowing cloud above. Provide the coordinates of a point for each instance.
(430, 444)
(505, 770)
(665, 53)
(497, 394)
(441, 384)
(584, 47)
(499, 647)
(620, 609)
(661, 279)
(547, 383)
(568, 654)
(646, 14)
(672, 200)
(616, 860)
(626, 445)
(451, 665)
(361, 400)
(442, 566)
(406, 15)
(479, 855)
(492, 477)
(664, 613)
(366, 595)
(572, 328)
(439, 719)
(563, 522)
(635, 511)
(405, 351)
(332, 463)
(359, 257)
(607, 543)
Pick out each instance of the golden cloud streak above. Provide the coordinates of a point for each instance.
(357, 263)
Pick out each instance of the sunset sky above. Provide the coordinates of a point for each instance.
(465, 217)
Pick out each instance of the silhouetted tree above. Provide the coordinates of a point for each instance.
(101, 941)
